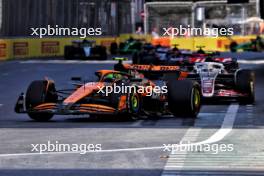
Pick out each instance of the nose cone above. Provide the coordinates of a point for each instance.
(82, 92)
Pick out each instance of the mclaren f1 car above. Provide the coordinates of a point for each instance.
(155, 91)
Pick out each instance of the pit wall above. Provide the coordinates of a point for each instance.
(15, 48)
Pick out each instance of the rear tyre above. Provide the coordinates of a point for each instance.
(135, 58)
(68, 52)
(103, 53)
(38, 93)
(233, 46)
(184, 98)
(113, 48)
(121, 45)
(245, 82)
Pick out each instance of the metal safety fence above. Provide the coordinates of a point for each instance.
(211, 14)
(18, 16)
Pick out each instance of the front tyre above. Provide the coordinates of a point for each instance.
(134, 106)
(245, 82)
(40, 92)
(233, 46)
(184, 98)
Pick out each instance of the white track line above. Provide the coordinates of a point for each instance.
(71, 62)
(190, 136)
(250, 61)
(219, 135)
(78, 152)
(173, 168)
(226, 127)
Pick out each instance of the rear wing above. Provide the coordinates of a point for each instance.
(144, 68)
(151, 68)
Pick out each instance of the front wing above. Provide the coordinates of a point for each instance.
(66, 109)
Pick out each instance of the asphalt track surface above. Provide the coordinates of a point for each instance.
(128, 147)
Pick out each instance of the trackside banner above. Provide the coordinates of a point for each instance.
(45, 47)
(54, 47)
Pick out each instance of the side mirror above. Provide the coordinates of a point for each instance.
(76, 78)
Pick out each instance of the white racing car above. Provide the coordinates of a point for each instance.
(218, 82)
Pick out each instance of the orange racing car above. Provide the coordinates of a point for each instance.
(155, 92)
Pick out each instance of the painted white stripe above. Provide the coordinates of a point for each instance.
(251, 61)
(245, 167)
(55, 61)
(1, 105)
(190, 135)
(71, 62)
(225, 129)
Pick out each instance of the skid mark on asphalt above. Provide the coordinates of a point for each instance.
(173, 167)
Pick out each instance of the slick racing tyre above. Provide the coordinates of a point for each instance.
(38, 93)
(68, 52)
(101, 51)
(184, 98)
(134, 106)
(113, 48)
(135, 58)
(245, 82)
(233, 46)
